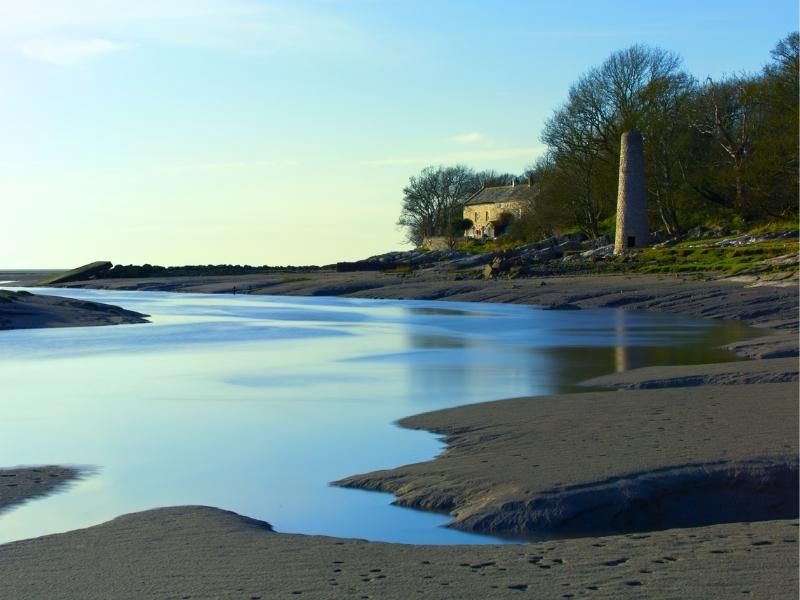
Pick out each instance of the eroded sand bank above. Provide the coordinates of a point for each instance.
(20, 484)
(603, 461)
(23, 310)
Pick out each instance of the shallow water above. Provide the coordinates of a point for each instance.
(255, 403)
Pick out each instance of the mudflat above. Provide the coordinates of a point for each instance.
(607, 461)
(20, 484)
(23, 310)
(774, 370)
(679, 448)
(202, 552)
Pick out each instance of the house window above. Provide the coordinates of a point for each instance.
(476, 217)
(487, 216)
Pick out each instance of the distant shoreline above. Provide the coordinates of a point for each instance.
(766, 304)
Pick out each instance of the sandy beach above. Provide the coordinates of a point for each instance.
(721, 439)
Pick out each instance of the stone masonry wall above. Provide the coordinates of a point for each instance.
(483, 214)
(631, 196)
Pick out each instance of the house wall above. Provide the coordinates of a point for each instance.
(482, 215)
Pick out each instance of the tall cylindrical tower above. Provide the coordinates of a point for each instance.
(632, 230)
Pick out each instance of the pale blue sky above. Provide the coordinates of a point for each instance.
(252, 131)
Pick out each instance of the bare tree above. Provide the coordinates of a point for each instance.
(667, 131)
(727, 112)
(491, 178)
(631, 89)
(785, 69)
(434, 199)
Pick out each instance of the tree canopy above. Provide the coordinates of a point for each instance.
(717, 152)
(714, 150)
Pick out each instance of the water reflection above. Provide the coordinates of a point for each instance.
(688, 346)
(441, 312)
(621, 350)
(433, 342)
(539, 352)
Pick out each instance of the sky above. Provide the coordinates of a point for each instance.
(282, 132)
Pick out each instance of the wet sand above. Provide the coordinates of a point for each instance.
(22, 310)
(774, 370)
(201, 552)
(20, 484)
(603, 461)
(719, 437)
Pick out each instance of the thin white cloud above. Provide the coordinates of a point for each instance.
(51, 29)
(472, 137)
(26, 16)
(528, 153)
(232, 165)
(68, 52)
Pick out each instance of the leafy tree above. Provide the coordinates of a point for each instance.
(774, 165)
(723, 151)
(545, 213)
(456, 228)
(751, 122)
(503, 222)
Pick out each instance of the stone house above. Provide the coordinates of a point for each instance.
(485, 207)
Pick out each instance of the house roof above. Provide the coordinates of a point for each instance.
(522, 192)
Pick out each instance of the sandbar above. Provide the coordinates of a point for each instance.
(23, 310)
